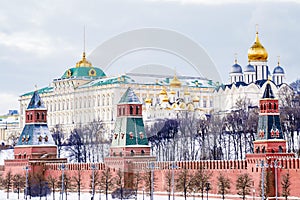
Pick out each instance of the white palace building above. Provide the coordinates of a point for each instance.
(84, 93)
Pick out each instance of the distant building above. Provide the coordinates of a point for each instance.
(84, 93)
(250, 83)
(9, 127)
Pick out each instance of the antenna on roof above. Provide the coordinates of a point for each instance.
(84, 38)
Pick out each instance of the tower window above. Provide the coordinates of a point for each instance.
(43, 116)
(275, 106)
(137, 110)
(280, 150)
(37, 115)
(131, 110)
(132, 153)
(263, 150)
(142, 152)
(131, 135)
(257, 150)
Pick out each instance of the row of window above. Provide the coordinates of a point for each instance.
(132, 153)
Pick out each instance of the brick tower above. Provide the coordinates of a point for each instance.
(269, 144)
(269, 137)
(129, 140)
(35, 145)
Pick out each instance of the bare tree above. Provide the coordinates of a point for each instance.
(286, 183)
(95, 141)
(223, 185)
(106, 181)
(8, 182)
(76, 145)
(243, 185)
(290, 116)
(184, 182)
(68, 184)
(137, 178)
(149, 181)
(168, 181)
(200, 179)
(58, 137)
(19, 182)
(119, 181)
(78, 183)
(52, 181)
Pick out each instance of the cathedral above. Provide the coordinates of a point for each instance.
(248, 83)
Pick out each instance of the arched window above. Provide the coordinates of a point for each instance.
(273, 151)
(37, 115)
(270, 106)
(257, 150)
(261, 107)
(137, 110)
(131, 110)
(43, 116)
(280, 150)
(132, 153)
(275, 106)
(142, 152)
(263, 150)
(264, 106)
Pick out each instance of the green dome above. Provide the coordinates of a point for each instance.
(84, 68)
(92, 72)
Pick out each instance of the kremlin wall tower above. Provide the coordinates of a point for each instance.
(130, 152)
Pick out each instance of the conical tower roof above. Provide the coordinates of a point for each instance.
(268, 93)
(129, 97)
(36, 102)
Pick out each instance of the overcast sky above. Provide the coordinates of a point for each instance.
(39, 40)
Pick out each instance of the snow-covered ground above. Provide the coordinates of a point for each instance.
(87, 196)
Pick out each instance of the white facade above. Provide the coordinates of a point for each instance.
(73, 101)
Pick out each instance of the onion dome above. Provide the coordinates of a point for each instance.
(172, 92)
(186, 92)
(84, 68)
(175, 82)
(278, 69)
(165, 99)
(148, 100)
(83, 62)
(236, 68)
(257, 52)
(249, 68)
(163, 91)
(196, 99)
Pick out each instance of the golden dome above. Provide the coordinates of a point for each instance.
(172, 92)
(148, 100)
(83, 62)
(257, 52)
(186, 92)
(163, 91)
(175, 82)
(165, 99)
(196, 99)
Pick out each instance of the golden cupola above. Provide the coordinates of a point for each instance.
(83, 62)
(175, 82)
(163, 91)
(148, 100)
(257, 52)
